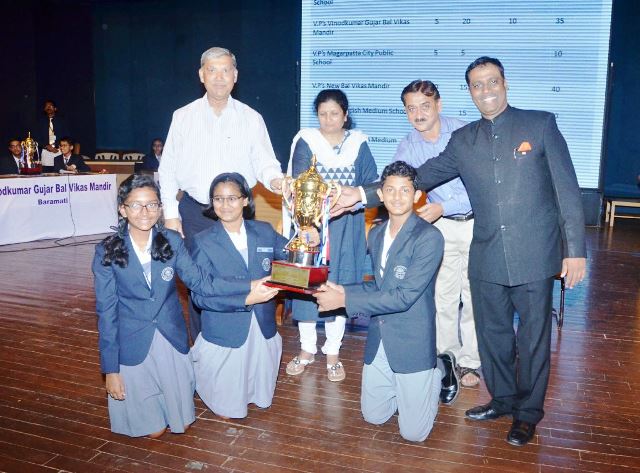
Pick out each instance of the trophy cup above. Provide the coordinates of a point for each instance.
(30, 160)
(309, 206)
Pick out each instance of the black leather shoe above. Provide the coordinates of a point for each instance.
(450, 383)
(486, 412)
(521, 432)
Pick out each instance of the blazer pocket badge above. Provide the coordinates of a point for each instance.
(400, 272)
(266, 264)
(167, 274)
(522, 150)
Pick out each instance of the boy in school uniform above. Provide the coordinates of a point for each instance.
(402, 371)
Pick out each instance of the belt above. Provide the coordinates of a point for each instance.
(459, 218)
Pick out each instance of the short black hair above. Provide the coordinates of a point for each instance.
(68, 139)
(400, 169)
(483, 61)
(425, 87)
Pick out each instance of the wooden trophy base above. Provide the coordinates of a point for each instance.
(297, 278)
(31, 171)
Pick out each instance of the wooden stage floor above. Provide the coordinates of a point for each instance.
(53, 414)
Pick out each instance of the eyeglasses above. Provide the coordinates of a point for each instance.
(136, 207)
(230, 199)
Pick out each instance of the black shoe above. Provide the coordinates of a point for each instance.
(486, 412)
(521, 432)
(450, 383)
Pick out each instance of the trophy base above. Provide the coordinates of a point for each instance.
(31, 171)
(297, 278)
(290, 288)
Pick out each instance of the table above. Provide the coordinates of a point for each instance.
(614, 202)
(56, 206)
(116, 167)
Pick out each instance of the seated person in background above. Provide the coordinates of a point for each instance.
(9, 164)
(151, 161)
(67, 161)
(401, 370)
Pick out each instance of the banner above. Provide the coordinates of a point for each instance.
(35, 208)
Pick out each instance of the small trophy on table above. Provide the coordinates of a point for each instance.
(308, 200)
(30, 159)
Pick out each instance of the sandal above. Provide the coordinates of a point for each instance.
(336, 372)
(469, 377)
(298, 365)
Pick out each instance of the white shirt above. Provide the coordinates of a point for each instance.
(386, 245)
(144, 256)
(200, 145)
(239, 239)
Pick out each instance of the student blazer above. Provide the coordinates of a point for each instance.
(214, 251)
(401, 302)
(129, 311)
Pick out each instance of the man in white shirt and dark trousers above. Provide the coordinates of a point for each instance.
(209, 136)
(56, 128)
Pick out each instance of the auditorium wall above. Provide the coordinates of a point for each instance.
(118, 69)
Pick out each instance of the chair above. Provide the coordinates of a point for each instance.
(559, 314)
(107, 157)
(132, 157)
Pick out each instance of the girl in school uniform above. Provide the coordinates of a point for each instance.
(237, 355)
(142, 334)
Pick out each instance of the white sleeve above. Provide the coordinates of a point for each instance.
(167, 171)
(263, 160)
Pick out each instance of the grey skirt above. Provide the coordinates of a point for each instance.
(228, 379)
(159, 393)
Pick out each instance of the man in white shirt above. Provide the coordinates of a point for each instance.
(209, 136)
(55, 129)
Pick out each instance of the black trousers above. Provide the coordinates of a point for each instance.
(193, 222)
(515, 364)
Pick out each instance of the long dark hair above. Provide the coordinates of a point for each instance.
(249, 211)
(115, 249)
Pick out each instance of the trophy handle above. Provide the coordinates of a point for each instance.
(287, 192)
(338, 188)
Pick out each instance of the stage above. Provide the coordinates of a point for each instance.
(53, 413)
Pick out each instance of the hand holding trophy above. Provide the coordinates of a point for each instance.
(309, 199)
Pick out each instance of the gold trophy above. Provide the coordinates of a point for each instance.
(30, 159)
(307, 200)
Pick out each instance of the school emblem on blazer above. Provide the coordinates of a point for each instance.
(400, 271)
(167, 273)
(266, 264)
